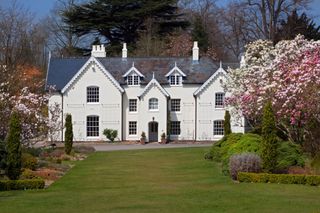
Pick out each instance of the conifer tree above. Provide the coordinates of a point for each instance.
(269, 139)
(13, 147)
(68, 136)
(226, 124)
(200, 34)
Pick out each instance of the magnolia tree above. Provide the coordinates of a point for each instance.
(288, 74)
(32, 108)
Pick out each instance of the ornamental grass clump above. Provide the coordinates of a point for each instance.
(246, 162)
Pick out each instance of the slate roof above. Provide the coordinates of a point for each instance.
(61, 70)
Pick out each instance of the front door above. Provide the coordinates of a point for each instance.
(153, 131)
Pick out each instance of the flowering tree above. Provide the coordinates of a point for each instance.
(288, 74)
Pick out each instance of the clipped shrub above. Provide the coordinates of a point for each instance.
(21, 184)
(68, 135)
(226, 123)
(28, 161)
(13, 147)
(245, 162)
(312, 180)
(269, 139)
(110, 134)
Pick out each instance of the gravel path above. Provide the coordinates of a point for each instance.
(113, 147)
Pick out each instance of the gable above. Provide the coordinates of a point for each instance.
(210, 81)
(92, 61)
(151, 84)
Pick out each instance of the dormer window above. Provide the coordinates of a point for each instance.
(175, 79)
(133, 76)
(175, 76)
(133, 79)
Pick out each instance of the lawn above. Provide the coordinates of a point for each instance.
(163, 180)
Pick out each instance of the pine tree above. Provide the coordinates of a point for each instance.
(295, 25)
(269, 139)
(121, 20)
(13, 147)
(200, 34)
(68, 135)
(226, 124)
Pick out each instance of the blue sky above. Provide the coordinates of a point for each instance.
(42, 7)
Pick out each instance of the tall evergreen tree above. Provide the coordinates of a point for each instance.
(13, 147)
(121, 20)
(68, 136)
(295, 25)
(200, 34)
(227, 124)
(3, 154)
(269, 139)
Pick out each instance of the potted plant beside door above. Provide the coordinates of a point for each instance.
(163, 138)
(143, 138)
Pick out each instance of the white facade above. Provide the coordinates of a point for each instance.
(194, 116)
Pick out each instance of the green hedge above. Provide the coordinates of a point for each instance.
(313, 180)
(21, 184)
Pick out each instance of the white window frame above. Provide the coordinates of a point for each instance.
(175, 105)
(93, 94)
(93, 133)
(218, 96)
(132, 128)
(175, 128)
(133, 104)
(218, 128)
(175, 79)
(153, 104)
(133, 79)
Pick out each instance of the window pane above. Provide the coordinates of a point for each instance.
(132, 127)
(219, 103)
(172, 79)
(175, 105)
(153, 104)
(132, 105)
(136, 80)
(218, 128)
(130, 81)
(92, 94)
(175, 128)
(92, 126)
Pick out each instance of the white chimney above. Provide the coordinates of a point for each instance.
(98, 51)
(124, 51)
(195, 51)
(242, 61)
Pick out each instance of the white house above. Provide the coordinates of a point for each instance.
(134, 95)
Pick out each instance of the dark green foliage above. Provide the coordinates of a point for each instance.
(3, 155)
(21, 184)
(245, 162)
(110, 134)
(32, 151)
(295, 25)
(313, 180)
(289, 154)
(200, 34)
(121, 20)
(269, 139)
(227, 124)
(68, 140)
(29, 162)
(13, 147)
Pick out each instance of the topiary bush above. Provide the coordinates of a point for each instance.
(269, 139)
(227, 123)
(68, 135)
(13, 147)
(28, 161)
(110, 134)
(245, 162)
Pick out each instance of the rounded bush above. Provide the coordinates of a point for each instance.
(246, 162)
(29, 162)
